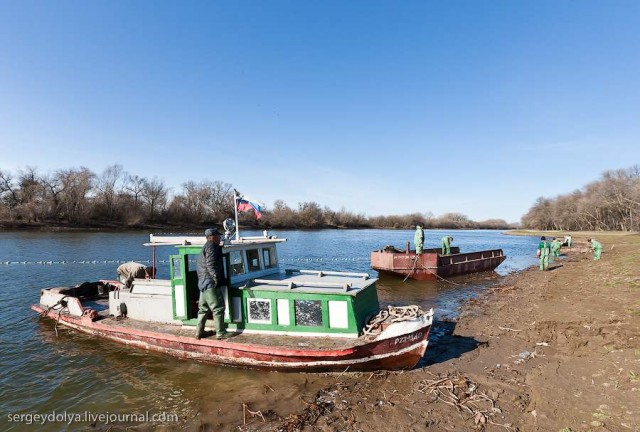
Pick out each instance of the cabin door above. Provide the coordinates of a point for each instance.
(184, 285)
(178, 287)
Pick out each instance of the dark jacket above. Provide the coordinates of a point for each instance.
(210, 263)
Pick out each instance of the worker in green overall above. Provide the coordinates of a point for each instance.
(544, 249)
(596, 247)
(418, 239)
(555, 248)
(446, 245)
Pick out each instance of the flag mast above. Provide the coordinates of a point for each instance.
(235, 209)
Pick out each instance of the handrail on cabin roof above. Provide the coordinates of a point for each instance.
(155, 240)
(321, 273)
(301, 284)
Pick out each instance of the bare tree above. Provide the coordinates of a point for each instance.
(154, 193)
(52, 187)
(8, 191)
(610, 203)
(281, 216)
(220, 201)
(30, 195)
(192, 204)
(135, 186)
(76, 186)
(310, 215)
(108, 188)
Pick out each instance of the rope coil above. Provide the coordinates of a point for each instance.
(392, 314)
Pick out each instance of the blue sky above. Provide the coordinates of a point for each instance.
(378, 107)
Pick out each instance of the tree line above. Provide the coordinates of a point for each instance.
(611, 203)
(116, 198)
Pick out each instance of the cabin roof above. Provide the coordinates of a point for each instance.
(155, 240)
(315, 282)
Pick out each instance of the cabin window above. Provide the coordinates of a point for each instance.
(259, 310)
(192, 262)
(308, 312)
(177, 271)
(253, 258)
(237, 264)
(283, 312)
(338, 317)
(269, 257)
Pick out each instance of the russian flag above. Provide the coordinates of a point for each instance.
(243, 204)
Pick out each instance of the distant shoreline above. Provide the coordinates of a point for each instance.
(62, 226)
(525, 232)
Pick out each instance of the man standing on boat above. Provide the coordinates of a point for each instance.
(446, 245)
(210, 282)
(418, 239)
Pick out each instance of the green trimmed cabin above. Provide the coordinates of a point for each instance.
(260, 298)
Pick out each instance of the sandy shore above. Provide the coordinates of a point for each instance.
(542, 351)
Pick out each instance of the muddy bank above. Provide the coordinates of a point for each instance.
(540, 351)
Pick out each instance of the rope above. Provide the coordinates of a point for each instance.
(394, 314)
(415, 263)
(64, 305)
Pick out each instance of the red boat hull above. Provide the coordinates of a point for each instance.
(399, 352)
(430, 265)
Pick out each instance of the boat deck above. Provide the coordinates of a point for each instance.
(245, 338)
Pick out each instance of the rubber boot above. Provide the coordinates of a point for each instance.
(202, 319)
(218, 321)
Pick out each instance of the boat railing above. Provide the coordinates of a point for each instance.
(495, 253)
(157, 240)
(321, 273)
(292, 284)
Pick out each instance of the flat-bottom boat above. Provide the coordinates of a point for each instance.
(431, 264)
(295, 321)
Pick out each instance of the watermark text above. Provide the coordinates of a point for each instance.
(105, 418)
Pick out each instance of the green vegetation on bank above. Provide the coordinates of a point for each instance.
(77, 197)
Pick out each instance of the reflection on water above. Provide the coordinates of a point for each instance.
(41, 372)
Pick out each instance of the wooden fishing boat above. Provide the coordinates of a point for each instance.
(431, 264)
(290, 321)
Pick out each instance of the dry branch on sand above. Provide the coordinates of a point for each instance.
(464, 395)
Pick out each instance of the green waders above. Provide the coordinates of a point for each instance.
(211, 299)
(597, 249)
(446, 246)
(544, 255)
(418, 240)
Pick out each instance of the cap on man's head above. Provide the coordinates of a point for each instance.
(211, 232)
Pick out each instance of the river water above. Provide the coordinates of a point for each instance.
(55, 372)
